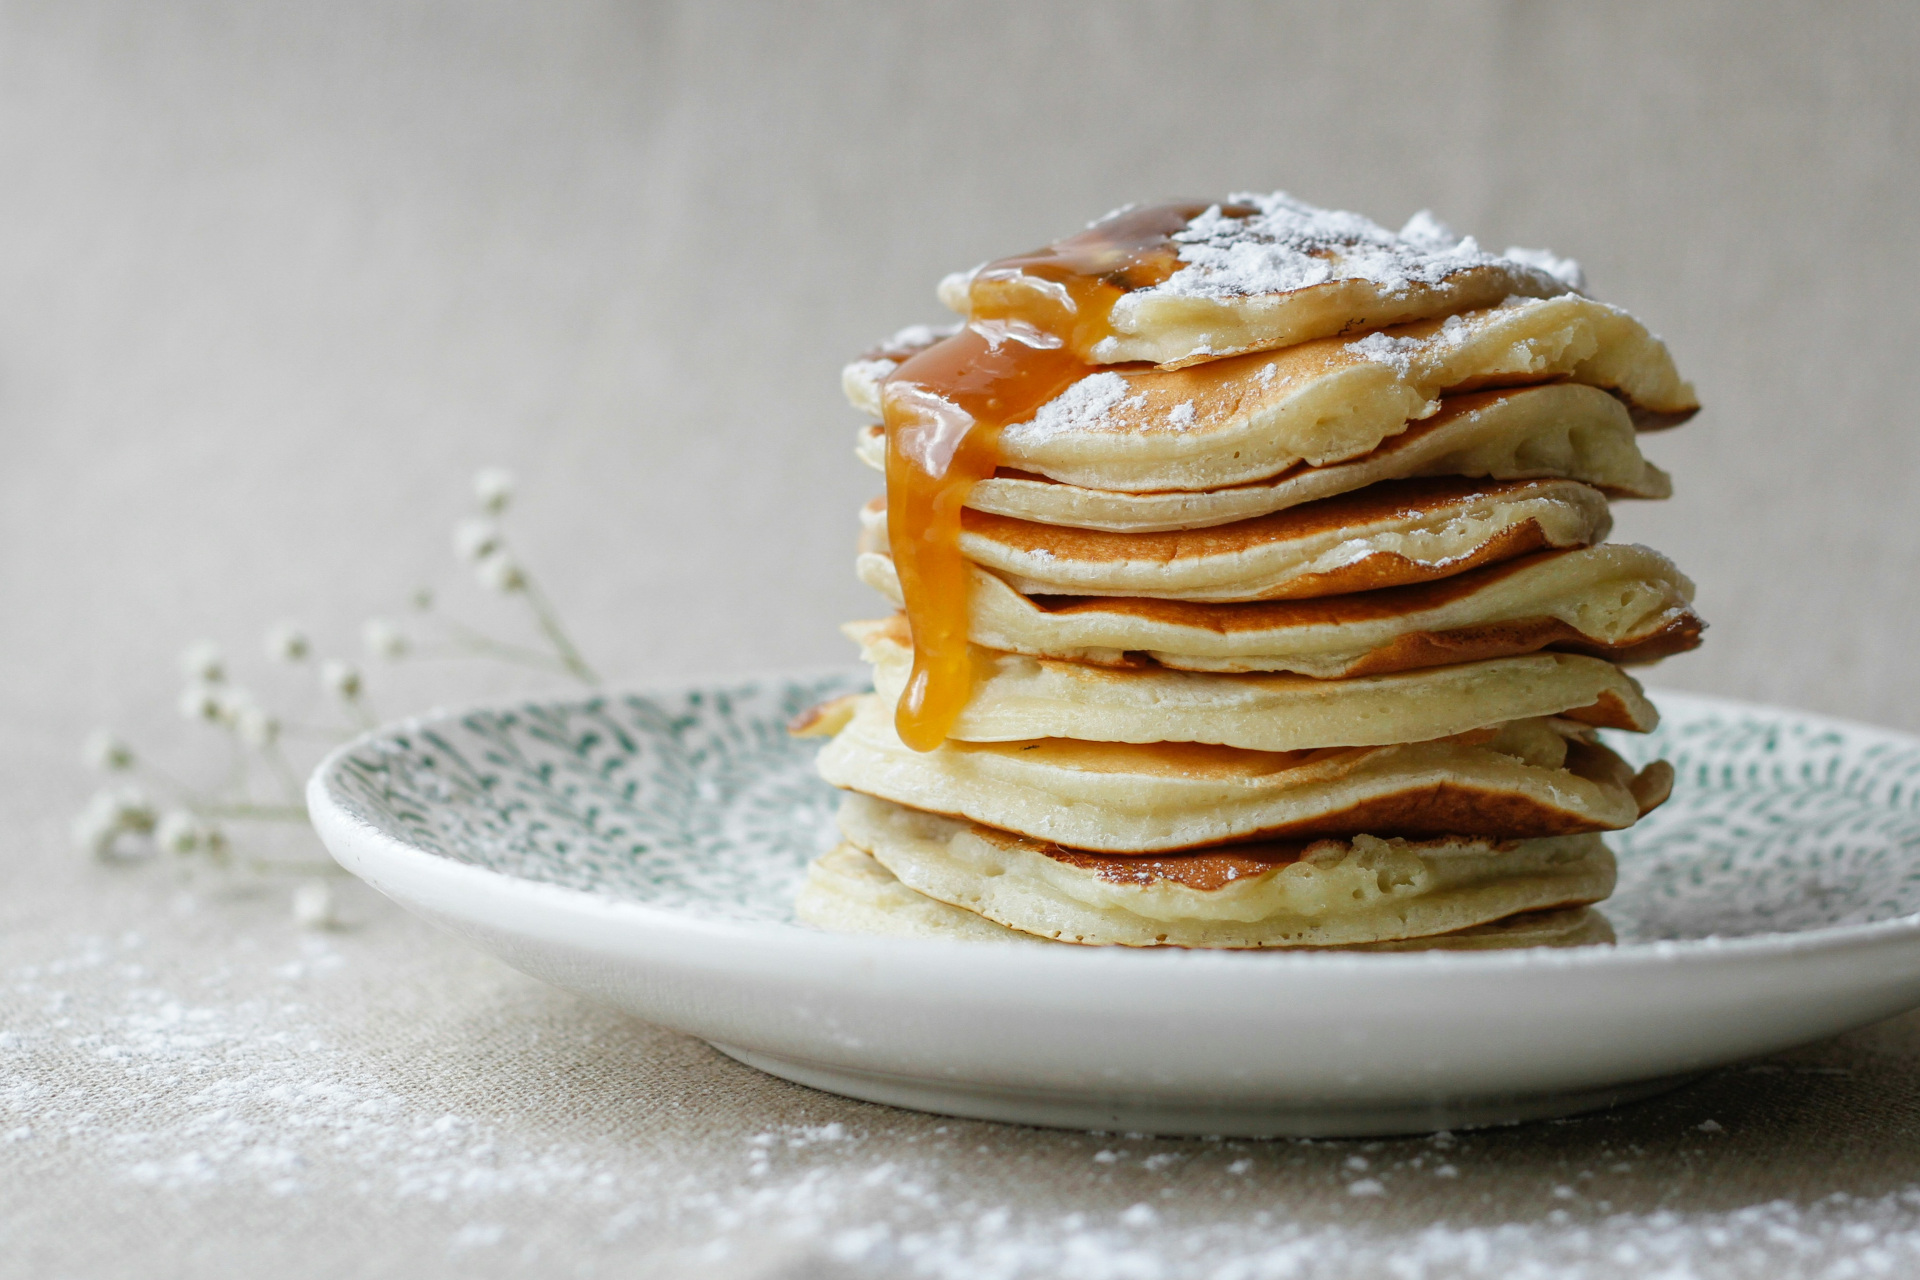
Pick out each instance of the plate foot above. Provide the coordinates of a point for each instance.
(1181, 1116)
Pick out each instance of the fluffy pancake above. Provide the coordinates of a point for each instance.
(1322, 893)
(1562, 429)
(848, 891)
(1532, 778)
(1385, 535)
(1017, 698)
(1624, 603)
(1270, 271)
(1250, 418)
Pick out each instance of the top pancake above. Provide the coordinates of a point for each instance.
(1285, 272)
(1248, 418)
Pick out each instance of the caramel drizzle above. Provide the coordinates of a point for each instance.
(1032, 324)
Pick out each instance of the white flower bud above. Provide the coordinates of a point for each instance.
(499, 572)
(256, 726)
(339, 679)
(200, 702)
(94, 829)
(383, 639)
(105, 751)
(203, 662)
(313, 905)
(233, 704)
(178, 832)
(494, 488)
(475, 540)
(110, 815)
(287, 643)
(133, 809)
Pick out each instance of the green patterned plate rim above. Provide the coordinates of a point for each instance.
(695, 800)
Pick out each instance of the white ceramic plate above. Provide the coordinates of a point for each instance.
(644, 850)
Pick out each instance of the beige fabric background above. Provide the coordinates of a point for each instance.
(275, 279)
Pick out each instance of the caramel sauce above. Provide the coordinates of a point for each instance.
(1206, 871)
(1032, 324)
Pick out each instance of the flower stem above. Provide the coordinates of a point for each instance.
(470, 643)
(245, 811)
(303, 867)
(283, 770)
(549, 621)
(166, 782)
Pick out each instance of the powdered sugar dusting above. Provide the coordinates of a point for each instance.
(861, 378)
(1289, 245)
(1083, 406)
(915, 336)
(863, 372)
(1399, 352)
(230, 1083)
(242, 1093)
(1565, 270)
(910, 341)
(1384, 349)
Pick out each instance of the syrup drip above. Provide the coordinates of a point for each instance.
(1032, 324)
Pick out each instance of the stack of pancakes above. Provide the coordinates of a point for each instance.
(1289, 616)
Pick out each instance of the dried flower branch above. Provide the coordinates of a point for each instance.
(188, 824)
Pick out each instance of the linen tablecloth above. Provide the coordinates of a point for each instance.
(274, 281)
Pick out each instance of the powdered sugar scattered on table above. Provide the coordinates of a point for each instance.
(234, 1084)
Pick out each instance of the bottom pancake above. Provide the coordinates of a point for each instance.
(1300, 894)
(848, 891)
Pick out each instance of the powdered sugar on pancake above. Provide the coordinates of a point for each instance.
(1382, 349)
(1398, 352)
(1565, 270)
(1288, 245)
(909, 342)
(861, 378)
(1084, 406)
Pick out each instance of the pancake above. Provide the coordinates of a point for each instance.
(1386, 535)
(1530, 778)
(1555, 927)
(1321, 893)
(1623, 603)
(1250, 418)
(1562, 430)
(1017, 698)
(1270, 271)
(848, 891)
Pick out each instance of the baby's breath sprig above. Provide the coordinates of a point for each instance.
(141, 810)
(481, 541)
